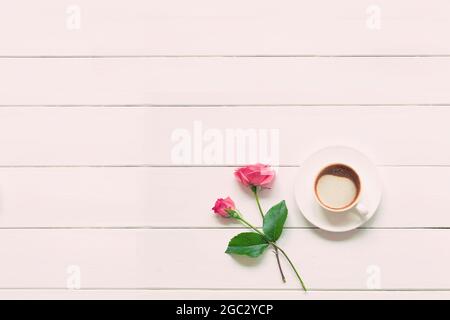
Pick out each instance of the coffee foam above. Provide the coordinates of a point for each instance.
(336, 192)
(337, 186)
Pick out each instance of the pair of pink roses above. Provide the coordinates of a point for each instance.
(253, 176)
(254, 243)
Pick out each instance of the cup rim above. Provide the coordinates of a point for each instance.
(343, 209)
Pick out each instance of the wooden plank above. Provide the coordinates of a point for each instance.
(220, 136)
(202, 27)
(189, 259)
(164, 197)
(225, 81)
(61, 294)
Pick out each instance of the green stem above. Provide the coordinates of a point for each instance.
(255, 192)
(277, 256)
(245, 223)
(276, 247)
(293, 267)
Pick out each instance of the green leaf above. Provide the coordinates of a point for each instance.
(249, 244)
(274, 221)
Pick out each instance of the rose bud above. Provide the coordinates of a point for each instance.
(225, 207)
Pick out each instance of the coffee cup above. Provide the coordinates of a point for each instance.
(337, 188)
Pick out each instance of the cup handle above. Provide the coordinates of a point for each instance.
(362, 209)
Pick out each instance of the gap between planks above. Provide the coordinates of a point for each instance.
(170, 228)
(232, 56)
(227, 289)
(236, 106)
(124, 166)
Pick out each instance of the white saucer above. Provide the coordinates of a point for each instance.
(371, 189)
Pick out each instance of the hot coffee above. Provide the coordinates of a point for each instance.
(337, 187)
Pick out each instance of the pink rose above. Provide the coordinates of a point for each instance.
(256, 175)
(224, 207)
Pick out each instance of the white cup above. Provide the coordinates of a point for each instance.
(341, 170)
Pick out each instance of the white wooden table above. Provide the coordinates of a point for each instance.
(94, 92)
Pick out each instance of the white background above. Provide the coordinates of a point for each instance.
(89, 106)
